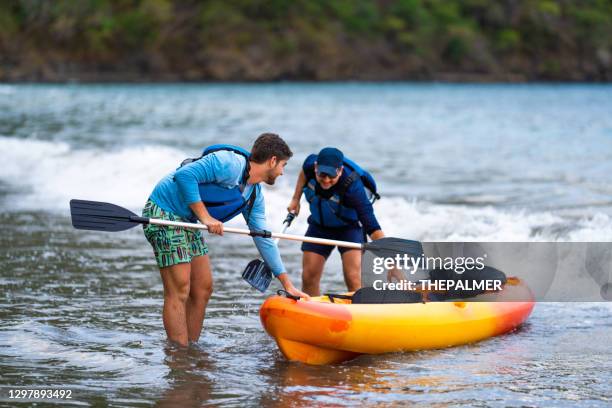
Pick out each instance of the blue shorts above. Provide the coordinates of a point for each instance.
(340, 234)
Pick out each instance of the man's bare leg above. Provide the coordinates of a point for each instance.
(176, 279)
(199, 294)
(312, 269)
(351, 266)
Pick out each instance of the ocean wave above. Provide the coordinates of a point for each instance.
(45, 175)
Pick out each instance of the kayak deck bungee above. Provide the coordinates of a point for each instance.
(321, 332)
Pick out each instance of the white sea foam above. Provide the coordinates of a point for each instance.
(44, 175)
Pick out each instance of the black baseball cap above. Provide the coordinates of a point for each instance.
(329, 161)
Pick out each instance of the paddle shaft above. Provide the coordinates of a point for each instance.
(264, 234)
(101, 216)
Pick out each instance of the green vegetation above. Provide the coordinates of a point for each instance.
(305, 39)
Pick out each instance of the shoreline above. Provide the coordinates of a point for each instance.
(348, 81)
(474, 79)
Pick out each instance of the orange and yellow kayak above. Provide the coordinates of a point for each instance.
(320, 332)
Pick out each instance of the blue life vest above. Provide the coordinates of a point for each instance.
(327, 209)
(225, 203)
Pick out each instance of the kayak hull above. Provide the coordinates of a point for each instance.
(320, 332)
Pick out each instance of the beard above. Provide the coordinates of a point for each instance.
(270, 178)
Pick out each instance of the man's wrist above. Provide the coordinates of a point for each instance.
(284, 279)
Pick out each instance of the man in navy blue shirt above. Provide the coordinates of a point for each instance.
(339, 209)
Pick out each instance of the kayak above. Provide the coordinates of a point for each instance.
(320, 331)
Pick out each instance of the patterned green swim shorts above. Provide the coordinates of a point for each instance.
(172, 245)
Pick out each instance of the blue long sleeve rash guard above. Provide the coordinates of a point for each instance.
(355, 196)
(179, 189)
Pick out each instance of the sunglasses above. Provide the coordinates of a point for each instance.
(328, 176)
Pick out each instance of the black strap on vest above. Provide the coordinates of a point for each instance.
(253, 196)
(344, 186)
(341, 191)
(251, 203)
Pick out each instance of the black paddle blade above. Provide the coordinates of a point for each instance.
(99, 216)
(389, 247)
(258, 275)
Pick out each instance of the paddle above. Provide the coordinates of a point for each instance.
(257, 273)
(100, 216)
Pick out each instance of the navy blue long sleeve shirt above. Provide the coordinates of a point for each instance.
(355, 196)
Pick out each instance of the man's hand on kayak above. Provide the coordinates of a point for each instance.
(284, 280)
(296, 292)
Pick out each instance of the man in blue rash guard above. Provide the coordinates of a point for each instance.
(182, 254)
(339, 210)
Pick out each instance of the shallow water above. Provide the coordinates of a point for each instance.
(81, 310)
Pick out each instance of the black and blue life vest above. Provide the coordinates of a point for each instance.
(327, 207)
(225, 203)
